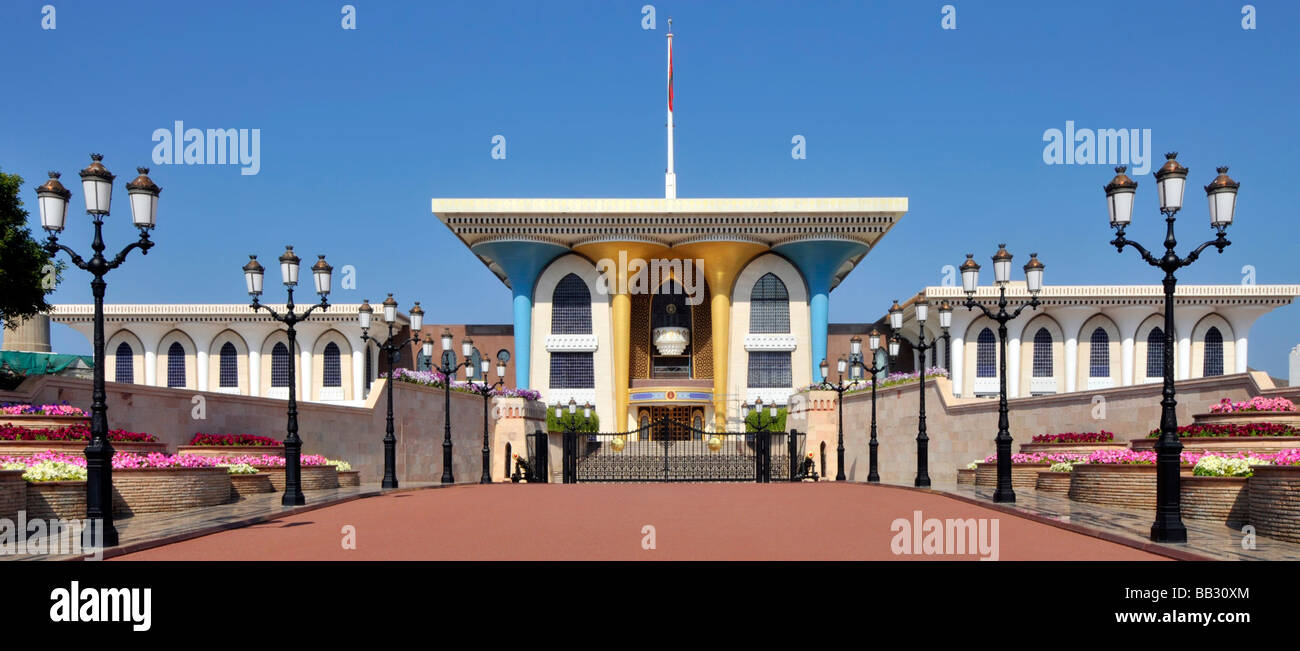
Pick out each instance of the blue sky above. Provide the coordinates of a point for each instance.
(359, 129)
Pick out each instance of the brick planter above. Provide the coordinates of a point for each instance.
(1053, 482)
(13, 493)
(241, 486)
(349, 478)
(1115, 484)
(1023, 475)
(231, 450)
(1291, 418)
(1083, 448)
(41, 421)
(29, 448)
(56, 499)
(157, 490)
(313, 477)
(965, 476)
(1220, 499)
(1274, 494)
(1227, 444)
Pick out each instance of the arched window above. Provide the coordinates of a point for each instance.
(280, 366)
(1156, 353)
(1213, 353)
(176, 365)
(571, 307)
(228, 366)
(476, 370)
(422, 362)
(1099, 354)
(1043, 353)
(331, 370)
(125, 357)
(986, 354)
(769, 306)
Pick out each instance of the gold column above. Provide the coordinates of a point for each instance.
(722, 262)
(620, 254)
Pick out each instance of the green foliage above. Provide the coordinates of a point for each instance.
(576, 422)
(24, 264)
(753, 420)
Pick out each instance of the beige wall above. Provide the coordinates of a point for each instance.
(354, 434)
(961, 430)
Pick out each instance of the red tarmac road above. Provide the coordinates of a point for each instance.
(822, 521)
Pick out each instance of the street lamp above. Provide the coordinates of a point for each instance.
(486, 390)
(1171, 179)
(321, 272)
(448, 367)
(391, 350)
(569, 440)
(970, 271)
(922, 307)
(873, 342)
(52, 197)
(839, 388)
(760, 423)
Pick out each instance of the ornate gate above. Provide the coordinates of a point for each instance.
(668, 450)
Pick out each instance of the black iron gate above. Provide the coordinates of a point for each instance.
(667, 450)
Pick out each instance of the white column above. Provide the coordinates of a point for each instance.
(254, 372)
(359, 349)
(151, 367)
(1013, 364)
(1184, 347)
(304, 375)
(1071, 319)
(1127, 319)
(1071, 361)
(201, 368)
(1126, 348)
(958, 357)
(1241, 320)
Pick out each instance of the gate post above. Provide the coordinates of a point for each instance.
(795, 462)
(569, 446)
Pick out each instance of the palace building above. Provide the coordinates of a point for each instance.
(670, 307)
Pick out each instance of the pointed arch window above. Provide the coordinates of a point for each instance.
(1099, 354)
(1156, 353)
(280, 366)
(1043, 353)
(176, 365)
(228, 366)
(124, 370)
(1213, 353)
(331, 367)
(986, 354)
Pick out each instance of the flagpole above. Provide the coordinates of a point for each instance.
(670, 178)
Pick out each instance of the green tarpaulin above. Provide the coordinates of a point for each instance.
(43, 363)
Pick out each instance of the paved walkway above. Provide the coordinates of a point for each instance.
(822, 521)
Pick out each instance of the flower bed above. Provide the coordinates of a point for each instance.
(1023, 475)
(1127, 485)
(891, 380)
(347, 476)
(1248, 418)
(13, 493)
(1254, 429)
(1052, 481)
(234, 439)
(1220, 438)
(56, 499)
(318, 477)
(1274, 496)
(141, 483)
(1256, 404)
(1075, 437)
(966, 476)
(41, 416)
(213, 445)
(164, 489)
(18, 440)
(62, 409)
(1220, 499)
(433, 378)
(1071, 442)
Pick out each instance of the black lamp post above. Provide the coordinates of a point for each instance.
(761, 423)
(946, 321)
(320, 271)
(486, 390)
(448, 368)
(855, 375)
(1171, 179)
(875, 371)
(896, 323)
(391, 350)
(569, 439)
(97, 183)
(970, 271)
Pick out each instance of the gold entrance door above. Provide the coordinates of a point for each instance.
(672, 422)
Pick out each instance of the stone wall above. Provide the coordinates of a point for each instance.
(354, 434)
(962, 429)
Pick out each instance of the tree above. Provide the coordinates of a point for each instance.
(27, 273)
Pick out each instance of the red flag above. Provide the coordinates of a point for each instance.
(670, 73)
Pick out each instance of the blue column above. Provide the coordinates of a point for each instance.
(818, 261)
(522, 261)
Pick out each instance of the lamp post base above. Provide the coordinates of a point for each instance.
(1168, 532)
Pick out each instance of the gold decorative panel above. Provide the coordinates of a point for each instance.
(640, 334)
(702, 336)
